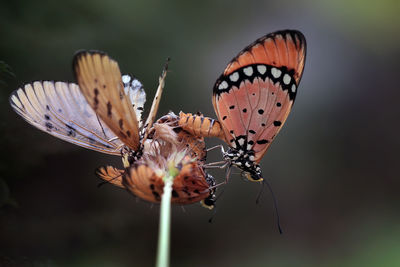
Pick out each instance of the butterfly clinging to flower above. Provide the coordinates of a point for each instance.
(253, 98)
(168, 144)
(104, 113)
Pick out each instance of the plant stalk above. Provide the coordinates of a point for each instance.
(165, 224)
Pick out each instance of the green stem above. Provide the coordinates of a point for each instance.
(165, 224)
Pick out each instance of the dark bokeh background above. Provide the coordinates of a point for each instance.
(334, 166)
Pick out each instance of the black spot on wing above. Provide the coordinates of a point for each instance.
(96, 100)
(156, 195)
(109, 108)
(49, 126)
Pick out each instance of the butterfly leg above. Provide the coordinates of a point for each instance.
(227, 175)
(215, 147)
(216, 165)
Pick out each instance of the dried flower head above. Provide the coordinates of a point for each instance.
(168, 151)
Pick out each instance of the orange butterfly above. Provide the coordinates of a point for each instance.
(252, 99)
(103, 113)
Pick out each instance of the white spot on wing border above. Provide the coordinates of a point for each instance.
(248, 70)
(286, 79)
(261, 69)
(276, 73)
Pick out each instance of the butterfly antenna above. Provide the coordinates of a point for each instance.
(260, 194)
(213, 215)
(275, 205)
(102, 183)
(183, 209)
(215, 208)
(216, 198)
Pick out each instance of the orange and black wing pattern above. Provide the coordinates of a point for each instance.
(189, 186)
(255, 93)
(100, 80)
(111, 175)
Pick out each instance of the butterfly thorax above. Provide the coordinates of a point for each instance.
(243, 159)
(129, 156)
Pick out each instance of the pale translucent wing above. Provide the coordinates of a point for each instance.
(136, 94)
(156, 102)
(101, 83)
(61, 110)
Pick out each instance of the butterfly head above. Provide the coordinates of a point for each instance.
(254, 175)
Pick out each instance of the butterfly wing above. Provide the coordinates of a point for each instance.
(143, 182)
(156, 101)
(111, 175)
(189, 186)
(61, 110)
(255, 93)
(136, 94)
(101, 83)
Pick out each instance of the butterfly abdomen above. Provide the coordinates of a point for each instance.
(199, 125)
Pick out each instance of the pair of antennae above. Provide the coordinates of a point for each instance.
(274, 200)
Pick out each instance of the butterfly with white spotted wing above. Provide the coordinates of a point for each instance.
(252, 99)
(103, 113)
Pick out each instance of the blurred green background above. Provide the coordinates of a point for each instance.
(334, 166)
